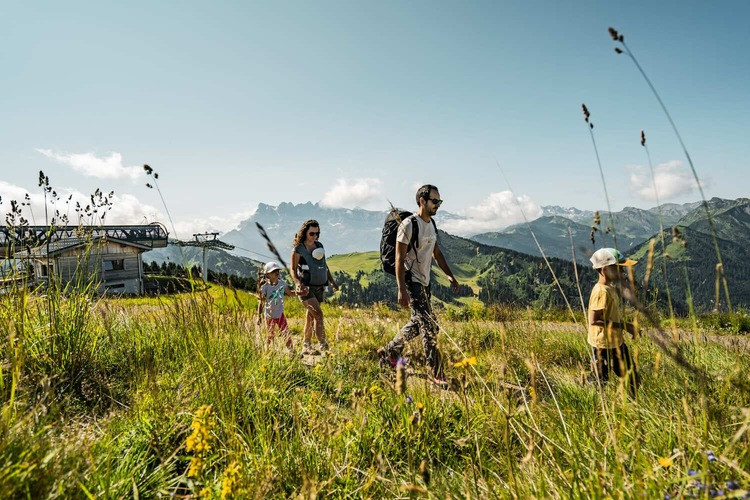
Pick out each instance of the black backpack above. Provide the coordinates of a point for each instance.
(388, 238)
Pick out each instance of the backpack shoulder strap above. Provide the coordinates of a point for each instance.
(414, 241)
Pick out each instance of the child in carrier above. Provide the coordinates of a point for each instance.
(272, 294)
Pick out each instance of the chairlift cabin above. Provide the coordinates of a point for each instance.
(108, 255)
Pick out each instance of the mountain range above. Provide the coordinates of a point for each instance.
(505, 265)
(561, 230)
(346, 230)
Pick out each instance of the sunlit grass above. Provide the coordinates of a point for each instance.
(526, 422)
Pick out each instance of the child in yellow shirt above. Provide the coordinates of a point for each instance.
(606, 326)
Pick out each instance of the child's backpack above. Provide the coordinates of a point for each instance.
(388, 238)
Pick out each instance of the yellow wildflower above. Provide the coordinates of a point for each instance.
(199, 441)
(665, 461)
(472, 361)
(206, 492)
(231, 478)
(376, 393)
(196, 467)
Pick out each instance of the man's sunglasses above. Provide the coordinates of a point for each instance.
(436, 201)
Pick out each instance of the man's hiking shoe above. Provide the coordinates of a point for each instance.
(385, 360)
(323, 348)
(441, 382)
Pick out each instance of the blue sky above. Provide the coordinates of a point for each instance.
(353, 103)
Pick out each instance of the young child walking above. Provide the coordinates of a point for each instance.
(272, 294)
(606, 326)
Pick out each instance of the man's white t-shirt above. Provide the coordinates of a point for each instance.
(418, 262)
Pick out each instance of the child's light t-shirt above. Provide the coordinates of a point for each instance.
(274, 295)
(605, 298)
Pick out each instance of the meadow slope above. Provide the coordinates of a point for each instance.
(180, 396)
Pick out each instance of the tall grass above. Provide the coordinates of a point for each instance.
(118, 423)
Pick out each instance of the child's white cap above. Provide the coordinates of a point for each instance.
(271, 267)
(609, 256)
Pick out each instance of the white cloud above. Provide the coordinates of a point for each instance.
(126, 208)
(89, 164)
(672, 180)
(496, 212)
(347, 193)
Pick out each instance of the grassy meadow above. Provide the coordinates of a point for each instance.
(180, 396)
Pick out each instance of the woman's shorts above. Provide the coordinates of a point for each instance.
(314, 291)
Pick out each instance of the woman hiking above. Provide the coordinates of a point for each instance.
(309, 269)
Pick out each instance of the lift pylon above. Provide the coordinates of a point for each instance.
(206, 241)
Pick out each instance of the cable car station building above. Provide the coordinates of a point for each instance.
(109, 255)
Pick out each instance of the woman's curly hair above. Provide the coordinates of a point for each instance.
(302, 233)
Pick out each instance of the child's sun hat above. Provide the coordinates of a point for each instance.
(271, 267)
(610, 256)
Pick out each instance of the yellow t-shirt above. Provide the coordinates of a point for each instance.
(605, 298)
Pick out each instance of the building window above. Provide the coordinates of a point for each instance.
(114, 265)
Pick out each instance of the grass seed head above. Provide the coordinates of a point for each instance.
(401, 376)
(425, 472)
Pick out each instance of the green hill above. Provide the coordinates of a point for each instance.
(632, 227)
(692, 269)
(717, 206)
(218, 260)
(731, 219)
(552, 234)
(352, 263)
(492, 274)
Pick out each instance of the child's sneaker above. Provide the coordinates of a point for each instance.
(385, 360)
(324, 348)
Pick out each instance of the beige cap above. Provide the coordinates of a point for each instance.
(610, 256)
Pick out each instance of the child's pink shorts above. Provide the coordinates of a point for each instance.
(280, 323)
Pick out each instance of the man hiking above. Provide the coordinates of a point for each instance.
(412, 269)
